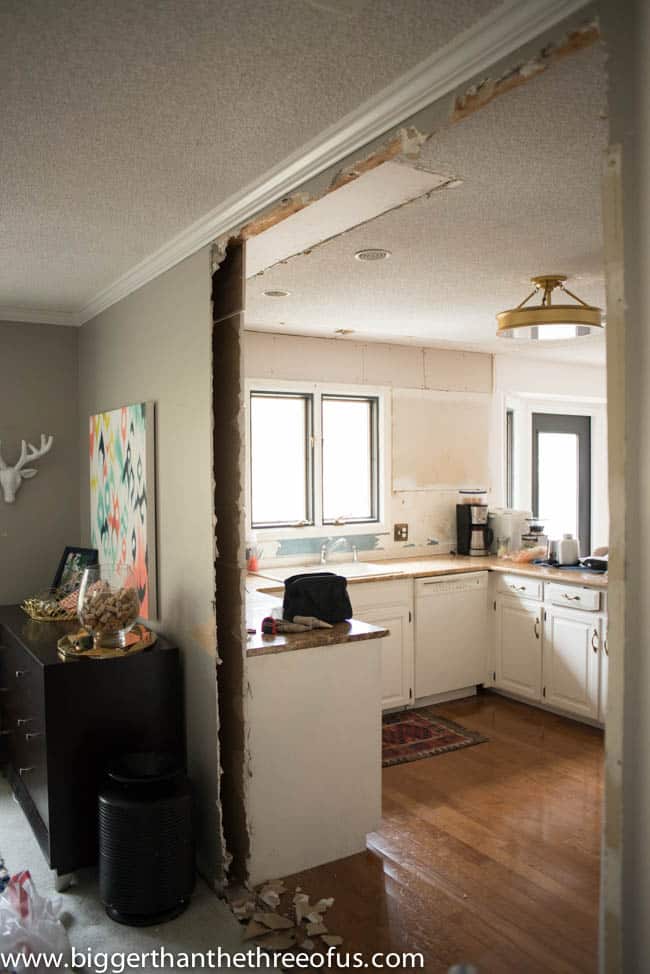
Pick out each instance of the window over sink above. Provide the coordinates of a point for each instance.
(315, 457)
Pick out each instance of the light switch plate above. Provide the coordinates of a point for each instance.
(401, 532)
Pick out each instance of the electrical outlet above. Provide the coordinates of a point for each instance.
(401, 532)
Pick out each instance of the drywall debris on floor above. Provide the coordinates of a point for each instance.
(277, 921)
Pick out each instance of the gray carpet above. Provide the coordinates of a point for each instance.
(205, 925)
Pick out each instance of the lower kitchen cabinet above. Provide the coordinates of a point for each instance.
(396, 654)
(390, 605)
(604, 673)
(518, 663)
(572, 643)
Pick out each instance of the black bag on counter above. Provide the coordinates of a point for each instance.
(323, 595)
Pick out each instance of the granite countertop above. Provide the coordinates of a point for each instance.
(392, 568)
(259, 605)
(263, 589)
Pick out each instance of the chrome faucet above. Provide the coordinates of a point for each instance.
(329, 545)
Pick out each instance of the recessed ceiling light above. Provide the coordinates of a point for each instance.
(277, 292)
(372, 253)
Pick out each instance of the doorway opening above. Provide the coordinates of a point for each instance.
(413, 331)
(562, 475)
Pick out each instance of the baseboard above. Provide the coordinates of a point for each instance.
(539, 705)
(445, 697)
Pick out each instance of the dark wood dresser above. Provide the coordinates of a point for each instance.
(62, 721)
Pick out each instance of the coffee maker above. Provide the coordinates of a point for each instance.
(473, 536)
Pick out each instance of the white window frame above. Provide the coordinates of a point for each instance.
(318, 389)
(523, 407)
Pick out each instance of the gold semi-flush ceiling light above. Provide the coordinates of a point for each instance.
(548, 321)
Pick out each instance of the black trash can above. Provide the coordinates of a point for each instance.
(146, 849)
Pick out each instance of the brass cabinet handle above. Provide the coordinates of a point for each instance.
(22, 771)
(21, 721)
(571, 598)
(594, 641)
(605, 647)
(518, 588)
(536, 628)
(30, 737)
(21, 673)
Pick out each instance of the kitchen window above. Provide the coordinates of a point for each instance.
(314, 458)
(281, 435)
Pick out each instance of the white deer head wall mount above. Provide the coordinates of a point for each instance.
(12, 477)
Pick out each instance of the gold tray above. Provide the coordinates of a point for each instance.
(31, 607)
(138, 639)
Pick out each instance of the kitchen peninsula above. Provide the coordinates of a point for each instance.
(313, 706)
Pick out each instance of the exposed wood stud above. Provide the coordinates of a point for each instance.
(477, 96)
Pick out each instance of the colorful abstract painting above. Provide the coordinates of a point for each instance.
(122, 496)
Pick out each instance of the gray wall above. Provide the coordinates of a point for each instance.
(156, 345)
(38, 394)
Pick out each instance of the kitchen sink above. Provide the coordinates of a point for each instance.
(349, 569)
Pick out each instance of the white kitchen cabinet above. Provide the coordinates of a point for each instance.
(572, 651)
(390, 605)
(604, 671)
(452, 632)
(518, 656)
(396, 653)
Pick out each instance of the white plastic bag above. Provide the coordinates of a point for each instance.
(30, 924)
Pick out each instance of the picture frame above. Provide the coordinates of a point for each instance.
(73, 562)
(122, 451)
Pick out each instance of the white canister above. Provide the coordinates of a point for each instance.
(568, 550)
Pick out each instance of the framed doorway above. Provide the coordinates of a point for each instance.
(561, 475)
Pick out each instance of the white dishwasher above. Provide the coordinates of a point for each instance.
(451, 632)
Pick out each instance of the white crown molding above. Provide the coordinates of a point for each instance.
(509, 27)
(38, 316)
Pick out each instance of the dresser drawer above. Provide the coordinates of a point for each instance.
(520, 587)
(587, 599)
(23, 722)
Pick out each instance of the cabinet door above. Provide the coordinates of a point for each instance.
(396, 653)
(572, 660)
(519, 647)
(604, 673)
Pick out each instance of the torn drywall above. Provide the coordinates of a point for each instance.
(479, 95)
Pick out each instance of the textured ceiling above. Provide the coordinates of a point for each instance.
(122, 123)
(529, 204)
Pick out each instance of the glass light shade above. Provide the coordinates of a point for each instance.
(548, 321)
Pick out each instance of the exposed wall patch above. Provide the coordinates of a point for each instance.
(479, 95)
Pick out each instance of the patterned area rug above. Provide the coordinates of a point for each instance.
(414, 734)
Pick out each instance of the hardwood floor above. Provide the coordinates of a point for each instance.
(489, 855)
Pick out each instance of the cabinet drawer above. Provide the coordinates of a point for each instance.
(587, 599)
(369, 594)
(521, 587)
